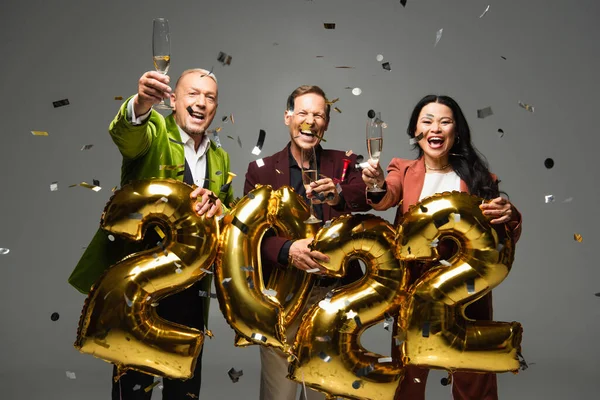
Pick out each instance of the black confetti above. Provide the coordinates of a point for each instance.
(60, 103)
(371, 114)
(549, 163)
(386, 66)
(96, 182)
(403, 2)
(223, 58)
(55, 316)
(329, 25)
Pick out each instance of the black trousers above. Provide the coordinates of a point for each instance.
(185, 308)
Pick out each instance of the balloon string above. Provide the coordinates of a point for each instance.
(304, 386)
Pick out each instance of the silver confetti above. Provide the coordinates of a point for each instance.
(484, 112)
(54, 186)
(87, 147)
(438, 36)
(527, 107)
(549, 198)
(485, 12)
(71, 375)
(270, 292)
(4, 251)
(445, 263)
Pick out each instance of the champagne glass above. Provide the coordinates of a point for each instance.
(375, 143)
(309, 174)
(161, 51)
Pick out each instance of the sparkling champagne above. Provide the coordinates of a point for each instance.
(374, 146)
(161, 63)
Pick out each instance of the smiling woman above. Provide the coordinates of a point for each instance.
(447, 162)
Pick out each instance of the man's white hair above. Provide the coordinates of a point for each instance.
(200, 70)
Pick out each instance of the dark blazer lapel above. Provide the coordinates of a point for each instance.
(281, 163)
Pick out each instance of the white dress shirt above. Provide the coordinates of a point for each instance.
(439, 183)
(196, 159)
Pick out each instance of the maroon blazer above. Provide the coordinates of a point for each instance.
(330, 165)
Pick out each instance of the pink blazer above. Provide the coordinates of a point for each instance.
(405, 181)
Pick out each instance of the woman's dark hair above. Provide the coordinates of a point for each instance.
(468, 163)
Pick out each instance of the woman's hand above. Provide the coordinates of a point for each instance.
(500, 209)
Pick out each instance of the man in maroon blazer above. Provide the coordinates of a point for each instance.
(307, 117)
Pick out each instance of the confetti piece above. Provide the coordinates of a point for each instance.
(351, 314)
(445, 263)
(445, 381)
(260, 142)
(239, 142)
(416, 139)
(329, 25)
(323, 338)
(356, 91)
(260, 162)
(527, 107)
(568, 200)
(289, 297)
(323, 356)
(403, 2)
(597, 295)
(192, 395)
(60, 103)
(209, 333)
(247, 269)
(425, 329)
(312, 271)
(278, 171)
(118, 97)
(39, 133)
(549, 198)
(358, 321)
(339, 111)
(578, 237)
(87, 147)
(224, 59)
(344, 67)
(270, 292)
(55, 316)
(365, 370)
(484, 112)
(456, 217)
(504, 58)
(54, 186)
(356, 384)
(438, 36)
(136, 216)
(96, 182)
(417, 380)
(137, 387)
(379, 57)
(548, 163)
(258, 336)
(129, 302)
(4, 251)
(170, 167)
(470, 286)
(88, 186)
(501, 132)
(71, 375)
(485, 12)
(226, 281)
(384, 360)
(160, 233)
(235, 375)
(151, 386)
(386, 66)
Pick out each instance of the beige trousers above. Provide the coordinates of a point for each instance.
(274, 384)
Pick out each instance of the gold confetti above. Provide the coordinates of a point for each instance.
(278, 171)
(527, 107)
(349, 153)
(39, 133)
(332, 101)
(159, 231)
(170, 167)
(192, 395)
(118, 97)
(114, 189)
(305, 126)
(230, 137)
(209, 333)
(230, 177)
(578, 237)
(151, 386)
(337, 109)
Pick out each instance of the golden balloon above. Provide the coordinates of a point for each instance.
(119, 323)
(259, 312)
(328, 353)
(438, 335)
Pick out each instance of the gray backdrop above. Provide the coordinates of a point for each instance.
(90, 52)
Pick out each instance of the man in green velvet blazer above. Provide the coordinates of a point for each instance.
(147, 141)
